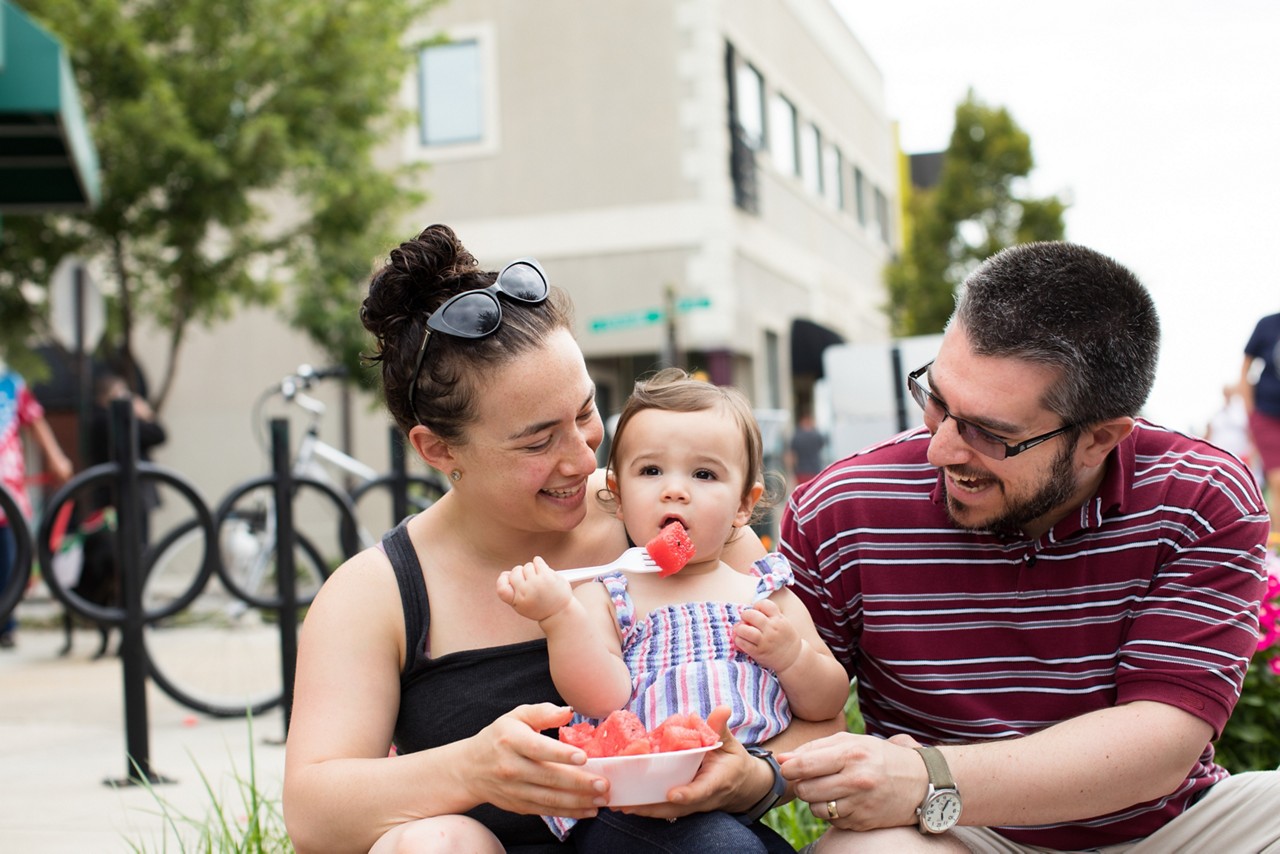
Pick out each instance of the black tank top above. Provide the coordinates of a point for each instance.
(443, 700)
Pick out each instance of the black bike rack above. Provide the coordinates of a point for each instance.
(131, 617)
(135, 562)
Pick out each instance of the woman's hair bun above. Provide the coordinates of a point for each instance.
(414, 277)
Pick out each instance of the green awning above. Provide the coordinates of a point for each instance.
(47, 160)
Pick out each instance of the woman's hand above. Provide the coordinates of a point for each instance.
(730, 779)
(511, 765)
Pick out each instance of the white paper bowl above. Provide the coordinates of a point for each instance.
(647, 777)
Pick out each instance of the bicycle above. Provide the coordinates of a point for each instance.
(239, 611)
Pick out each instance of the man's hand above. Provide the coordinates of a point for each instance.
(871, 782)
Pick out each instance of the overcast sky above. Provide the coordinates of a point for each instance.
(1159, 120)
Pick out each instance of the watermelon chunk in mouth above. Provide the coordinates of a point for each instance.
(671, 549)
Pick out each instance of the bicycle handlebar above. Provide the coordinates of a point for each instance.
(309, 372)
(290, 388)
(307, 376)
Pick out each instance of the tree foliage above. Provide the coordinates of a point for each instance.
(237, 143)
(977, 208)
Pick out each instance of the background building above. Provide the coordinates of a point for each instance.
(714, 183)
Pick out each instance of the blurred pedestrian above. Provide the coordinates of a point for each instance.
(19, 412)
(1229, 429)
(804, 451)
(109, 387)
(1261, 389)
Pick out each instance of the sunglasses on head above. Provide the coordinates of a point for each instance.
(985, 443)
(477, 313)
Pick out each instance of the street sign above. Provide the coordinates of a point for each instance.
(644, 316)
(627, 320)
(67, 305)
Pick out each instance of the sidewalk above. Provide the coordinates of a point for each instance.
(62, 734)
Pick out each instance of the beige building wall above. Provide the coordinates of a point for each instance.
(607, 156)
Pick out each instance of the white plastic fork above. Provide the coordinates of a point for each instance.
(634, 559)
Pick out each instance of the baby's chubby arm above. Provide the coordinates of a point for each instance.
(779, 634)
(582, 636)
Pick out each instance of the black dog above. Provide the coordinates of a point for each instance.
(99, 584)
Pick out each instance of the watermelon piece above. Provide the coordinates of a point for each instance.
(671, 549)
(579, 735)
(638, 747)
(622, 734)
(617, 731)
(682, 732)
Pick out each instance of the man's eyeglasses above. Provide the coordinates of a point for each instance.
(477, 313)
(985, 443)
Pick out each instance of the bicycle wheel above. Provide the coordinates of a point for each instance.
(246, 524)
(217, 655)
(375, 501)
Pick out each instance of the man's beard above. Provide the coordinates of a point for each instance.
(1057, 487)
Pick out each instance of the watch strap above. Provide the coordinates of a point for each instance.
(775, 793)
(936, 766)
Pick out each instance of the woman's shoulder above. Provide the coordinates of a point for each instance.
(363, 582)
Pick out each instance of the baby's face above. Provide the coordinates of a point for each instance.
(685, 466)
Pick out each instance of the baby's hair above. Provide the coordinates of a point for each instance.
(673, 390)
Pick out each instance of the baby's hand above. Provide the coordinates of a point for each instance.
(534, 590)
(767, 636)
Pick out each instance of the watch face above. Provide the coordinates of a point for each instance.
(942, 812)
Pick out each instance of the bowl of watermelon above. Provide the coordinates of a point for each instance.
(642, 766)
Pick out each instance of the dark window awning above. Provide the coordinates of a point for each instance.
(47, 159)
(808, 340)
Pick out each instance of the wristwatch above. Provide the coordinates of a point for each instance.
(940, 809)
(771, 798)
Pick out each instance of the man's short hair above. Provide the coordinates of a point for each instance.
(1066, 307)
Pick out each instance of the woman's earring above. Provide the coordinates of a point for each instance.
(455, 475)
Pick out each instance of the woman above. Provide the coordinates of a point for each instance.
(486, 380)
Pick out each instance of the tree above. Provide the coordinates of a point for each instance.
(236, 140)
(975, 210)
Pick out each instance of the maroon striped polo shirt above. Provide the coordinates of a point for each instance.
(1150, 591)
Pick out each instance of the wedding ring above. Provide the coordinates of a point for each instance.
(832, 814)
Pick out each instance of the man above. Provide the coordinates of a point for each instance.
(804, 451)
(1057, 600)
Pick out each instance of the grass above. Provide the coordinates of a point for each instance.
(252, 825)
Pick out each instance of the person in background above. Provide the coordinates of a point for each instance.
(21, 413)
(1229, 429)
(407, 645)
(1260, 384)
(1048, 603)
(690, 453)
(804, 451)
(108, 387)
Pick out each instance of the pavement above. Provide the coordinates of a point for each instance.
(63, 740)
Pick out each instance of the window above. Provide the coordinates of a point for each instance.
(811, 158)
(782, 135)
(750, 105)
(833, 175)
(882, 215)
(451, 93)
(860, 195)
